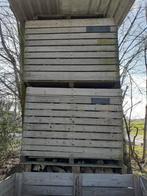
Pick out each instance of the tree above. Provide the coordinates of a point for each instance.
(11, 61)
(132, 36)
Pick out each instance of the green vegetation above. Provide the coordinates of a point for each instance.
(137, 124)
(9, 126)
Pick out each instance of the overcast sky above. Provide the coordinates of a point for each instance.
(139, 71)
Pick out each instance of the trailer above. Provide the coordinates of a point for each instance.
(51, 184)
(73, 103)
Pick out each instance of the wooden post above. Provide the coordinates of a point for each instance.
(18, 184)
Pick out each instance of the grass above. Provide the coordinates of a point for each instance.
(137, 124)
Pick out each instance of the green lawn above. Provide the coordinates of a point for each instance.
(137, 124)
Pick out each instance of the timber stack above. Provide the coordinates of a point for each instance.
(73, 104)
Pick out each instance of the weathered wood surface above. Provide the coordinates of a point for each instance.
(74, 92)
(47, 184)
(74, 42)
(73, 123)
(7, 187)
(143, 184)
(71, 48)
(71, 36)
(62, 29)
(112, 185)
(69, 23)
(76, 52)
(71, 76)
(51, 184)
(83, 184)
(83, 100)
(102, 185)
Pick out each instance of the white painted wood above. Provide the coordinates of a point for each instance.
(71, 36)
(74, 92)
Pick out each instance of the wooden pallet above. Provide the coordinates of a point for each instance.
(73, 124)
(82, 51)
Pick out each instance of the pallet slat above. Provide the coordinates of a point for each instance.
(56, 126)
(73, 120)
(73, 135)
(72, 107)
(48, 30)
(82, 61)
(84, 114)
(72, 128)
(70, 100)
(74, 42)
(69, 23)
(73, 92)
(111, 154)
(69, 68)
(71, 142)
(70, 48)
(53, 55)
(71, 36)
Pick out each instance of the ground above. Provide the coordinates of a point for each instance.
(138, 142)
(11, 164)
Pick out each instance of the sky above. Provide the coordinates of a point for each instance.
(138, 73)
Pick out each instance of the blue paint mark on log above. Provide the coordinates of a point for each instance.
(100, 101)
(98, 29)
